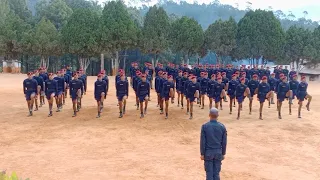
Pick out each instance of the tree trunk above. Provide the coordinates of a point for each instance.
(124, 60)
(112, 66)
(47, 62)
(102, 62)
(117, 62)
(217, 58)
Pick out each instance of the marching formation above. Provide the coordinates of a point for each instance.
(186, 85)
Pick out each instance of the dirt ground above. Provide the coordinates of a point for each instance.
(109, 148)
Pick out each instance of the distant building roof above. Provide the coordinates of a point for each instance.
(314, 71)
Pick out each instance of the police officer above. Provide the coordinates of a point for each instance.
(122, 89)
(143, 93)
(210, 90)
(99, 93)
(76, 90)
(184, 80)
(232, 85)
(204, 88)
(51, 91)
(242, 91)
(167, 92)
(178, 88)
(272, 81)
(253, 86)
(219, 92)
(213, 145)
(40, 88)
(263, 93)
(193, 91)
(30, 86)
(283, 92)
(303, 94)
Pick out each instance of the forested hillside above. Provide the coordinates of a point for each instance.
(77, 32)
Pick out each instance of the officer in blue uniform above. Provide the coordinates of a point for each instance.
(136, 81)
(51, 91)
(182, 89)
(293, 84)
(30, 86)
(213, 145)
(61, 88)
(186, 84)
(283, 92)
(253, 86)
(210, 90)
(232, 85)
(272, 81)
(156, 85)
(122, 89)
(99, 93)
(193, 91)
(219, 92)
(40, 88)
(44, 76)
(204, 88)
(199, 78)
(303, 94)
(76, 90)
(161, 82)
(291, 73)
(177, 87)
(225, 81)
(167, 92)
(242, 91)
(263, 93)
(143, 92)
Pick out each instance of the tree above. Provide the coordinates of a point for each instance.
(4, 11)
(46, 41)
(260, 35)
(11, 34)
(220, 37)
(19, 7)
(57, 11)
(118, 31)
(187, 36)
(155, 31)
(80, 35)
(297, 48)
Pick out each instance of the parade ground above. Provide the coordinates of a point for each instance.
(154, 148)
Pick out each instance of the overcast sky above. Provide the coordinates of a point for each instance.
(296, 6)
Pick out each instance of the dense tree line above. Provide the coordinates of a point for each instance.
(77, 32)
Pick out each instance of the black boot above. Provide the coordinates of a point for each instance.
(121, 115)
(260, 117)
(50, 114)
(74, 114)
(166, 115)
(141, 116)
(191, 116)
(98, 116)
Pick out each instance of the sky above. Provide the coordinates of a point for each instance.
(295, 6)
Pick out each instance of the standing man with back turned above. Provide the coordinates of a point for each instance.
(213, 145)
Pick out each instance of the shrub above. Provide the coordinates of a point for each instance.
(4, 176)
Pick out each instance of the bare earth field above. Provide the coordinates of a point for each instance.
(109, 148)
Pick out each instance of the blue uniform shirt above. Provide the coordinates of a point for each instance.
(60, 82)
(40, 81)
(51, 86)
(166, 89)
(263, 89)
(218, 87)
(283, 88)
(213, 139)
(232, 86)
(30, 85)
(294, 86)
(122, 88)
(192, 88)
(99, 87)
(143, 89)
(241, 88)
(75, 85)
(253, 85)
